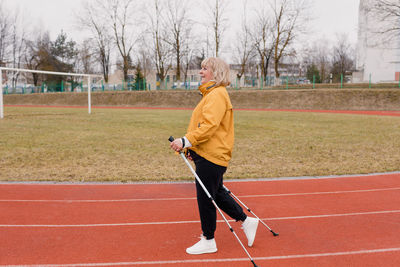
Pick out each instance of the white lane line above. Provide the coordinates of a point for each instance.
(333, 215)
(188, 222)
(329, 192)
(284, 257)
(193, 198)
(94, 200)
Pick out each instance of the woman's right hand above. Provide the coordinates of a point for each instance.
(176, 145)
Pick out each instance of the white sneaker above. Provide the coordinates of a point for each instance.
(203, 246)
(249, 227)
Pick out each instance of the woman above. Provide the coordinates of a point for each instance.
(209, 140)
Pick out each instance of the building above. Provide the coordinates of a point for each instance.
(170, 82)
(289, 71)
(376, 61)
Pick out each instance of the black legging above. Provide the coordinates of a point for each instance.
(212, 177)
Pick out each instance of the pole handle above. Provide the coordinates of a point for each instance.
(171, 139)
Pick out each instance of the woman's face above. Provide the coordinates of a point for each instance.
(205, 74)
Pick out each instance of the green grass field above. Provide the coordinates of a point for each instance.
(122, 145)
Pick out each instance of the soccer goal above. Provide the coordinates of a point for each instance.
(17, 74)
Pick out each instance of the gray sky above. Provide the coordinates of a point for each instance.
(331, 16)
(336, 16)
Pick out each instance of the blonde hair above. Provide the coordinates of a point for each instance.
(219, 69)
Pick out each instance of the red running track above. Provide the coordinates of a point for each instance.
(344, 221)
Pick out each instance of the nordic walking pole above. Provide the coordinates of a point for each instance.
(212, 200)
(275, 234)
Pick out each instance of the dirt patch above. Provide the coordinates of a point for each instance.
(323, 99)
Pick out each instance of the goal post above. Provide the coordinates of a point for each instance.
(5, 69)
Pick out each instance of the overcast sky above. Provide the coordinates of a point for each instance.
(331, 16)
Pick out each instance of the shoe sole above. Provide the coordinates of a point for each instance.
(203, 252)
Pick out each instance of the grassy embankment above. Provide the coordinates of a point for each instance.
(321, 98)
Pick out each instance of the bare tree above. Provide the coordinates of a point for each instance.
(38, 53)
(18, 44)
(121, 14)
(5, 25)
(179, 25)
(190, 54)
(161, 49)
(319, 55)
(322, 59)
(290, 19)
(263, 38)
(387, 12)
(86, 57)
(94, 19)
(342, 60)
(243, 46)
(218, 22)
(144, 58)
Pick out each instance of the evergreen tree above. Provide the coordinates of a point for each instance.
(312, 71)
(63, 55)
(65, 52)
(139, 80)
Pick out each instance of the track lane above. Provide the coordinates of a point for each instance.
(34, 191)
(361, 238)
(168, 242)
(76, 213)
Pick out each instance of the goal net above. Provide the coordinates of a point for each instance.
(22, 81)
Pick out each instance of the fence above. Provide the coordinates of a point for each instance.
(73, 87)
(269, 83)
(293, 82)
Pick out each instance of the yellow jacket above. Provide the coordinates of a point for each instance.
(210, 129)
